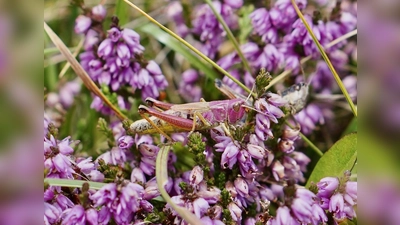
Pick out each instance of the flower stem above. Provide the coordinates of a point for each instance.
(230, 36)
(315, 148)
(326, 58)
(190, 47)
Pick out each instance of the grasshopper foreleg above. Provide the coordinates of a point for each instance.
(142, 113)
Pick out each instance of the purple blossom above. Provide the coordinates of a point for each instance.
(301, 37)
(82, 24)
(118, 63)
(148, 159)
(52, 214)
(56, 157)
(268, 56)
(125, 142)
(283, 13)
(68, 92)
(268, 111)
(206, 25)
(263, 26)
(188, 88)
(115, 156)
(120, 203)
(99, 12)
(75, 215)
(338, 197)
(309, 117)
(175, 11)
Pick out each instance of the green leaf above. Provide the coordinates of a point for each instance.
(73, 183)
(175, 45)
(352, 127)
(122, 12)
(339, 158)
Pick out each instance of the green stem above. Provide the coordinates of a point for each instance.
(335, 75)
(230, 36)
(162, 179)
(315, 148)
(73, 183)
(190, 47)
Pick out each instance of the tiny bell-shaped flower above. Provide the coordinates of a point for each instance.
(82, 24)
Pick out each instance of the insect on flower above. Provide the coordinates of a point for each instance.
(187, 117)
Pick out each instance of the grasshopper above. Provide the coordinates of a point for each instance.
(187, 117)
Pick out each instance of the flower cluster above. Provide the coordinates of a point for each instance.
(115, 59)
(338, 196)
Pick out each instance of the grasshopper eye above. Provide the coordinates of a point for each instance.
(149, 102)
(142, 109)
(236, 107)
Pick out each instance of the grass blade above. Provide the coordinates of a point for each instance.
(326, 58)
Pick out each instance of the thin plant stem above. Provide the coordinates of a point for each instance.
(326, 58)
(315, 148)
(76, 52)
(230, 36)
(162, 179)
(191, 47)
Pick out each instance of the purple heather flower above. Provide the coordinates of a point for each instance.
(175, 11)
(322, 80)
(268, 111)
(207, 220)
(56, 158)
(121, 204)
(104, 216)
(309, 117)
(236, 4)
(278, 170)
(196, 175)
(327, 186)
(91, 39)
(267, 57)
(115, 156)
(137, 176)
(283, 15)
(133, 40)
(229, 154)
(338, 198)
(206, 25)
(300, 35)
(75, 215)
(105, 48)
(263, 26)
(241, 186)
(302, 205)
(148, 159)
(283, 217)
(99, 12)
(68, 92)
(82, 24)
(350, 83)
(52, 213)
(125, 142)
(63, 202)
(236, 212)
(260, 20)
(151, 190)
(188, 88)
